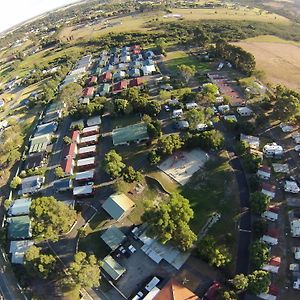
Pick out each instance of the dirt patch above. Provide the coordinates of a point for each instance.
(281, 62)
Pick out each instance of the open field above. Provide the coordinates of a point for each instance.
(278, 58)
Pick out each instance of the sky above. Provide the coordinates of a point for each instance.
(16, 11)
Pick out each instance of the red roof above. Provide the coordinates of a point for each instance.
(68, 165)
(273, 233)
(118, 87)
(273, 208)
(106, 76)
(269, 187)
(275, 261)
(136, 81)
(212, 292)
(273, 290)
(136, 51)
(135, 47)
(69, 150)
(265, 169)
(75, 136)
(88, 92)
(93, 80)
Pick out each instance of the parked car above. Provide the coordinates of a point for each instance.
(167, 108)
(138, 296)
(131, 249)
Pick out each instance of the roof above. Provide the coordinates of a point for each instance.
(268, 187)
(93, 121)
(19, 228)
(91, 138)
(85, 175)
(244, 110)
(68, 165)
(88, 92)
(93, 79)
(75, 135)
(70, 150)
(45, 138)
(63, 184)
(48, 128)
(87, 149)
(94, 128)
(86, 161)
(175, 291)
(112, 268)
(32, 183)
(120, 86)
(131, 133)
(264, 169)
(136, 81)
(19, 207)
(77, 123)
(33, 160)
(18, 250)
(83, 190)
(115, 205)
(113, 237)
(253, 141)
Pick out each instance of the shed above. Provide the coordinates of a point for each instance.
(19, 228)
(89, 140)
(117, 205)
(19, 207)
(295, 228)
(85, 176)
(83, 191)
(244, 111)
(113, 237)
(253, 141)
(112, 268)
(104, 89)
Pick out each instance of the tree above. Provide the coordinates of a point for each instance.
(170, 143)
(131, 175)
(154, 158)
(226, 295)
(210, 89)
(259, 202)
(212, 139)
(195, 117)
(152, 108)
(260, 227)
(122, 106)
(259, 282)
(59, 172)
(16, 181)
(206, 246)
(169, 222)
(113, 164)
(70, 94)
(240, 282)
(259, 253)
(154, 129)
(40, 264)
(84, 271)
(220, 257)
(242, 147)
(187, 72)
(251, 161)
(164, 95)
(50, 218)
(67, 140)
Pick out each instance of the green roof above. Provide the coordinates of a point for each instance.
(117, 204)
(132, 133)
(113, 237)
(19, 228)
(112, 268)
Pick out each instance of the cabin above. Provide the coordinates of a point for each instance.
(88, 131)
(83, 191)
(87, 151)
(86, 164)
(89, 140)
(85, 176)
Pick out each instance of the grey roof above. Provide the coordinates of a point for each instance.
(113, 237)
(18, 250)
(48, 128)
(112, 268)
(18, 228)
(32, 184)
(19, 207)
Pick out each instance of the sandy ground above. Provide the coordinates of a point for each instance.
(281, 62)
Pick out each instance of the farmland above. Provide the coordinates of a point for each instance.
(276, 57)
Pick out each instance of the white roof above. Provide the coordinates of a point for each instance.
(152, 283)
(222, 108)
(295, 227)
(266, 296)
(291, 186)
(85, 161)
(263, 173)
(90, 129)
(270, 268)
(191, 105)
(269, 240)
(230, 117)
(82, 190)
(177, 112)
(270, 215)
(18, 249)
(85, 175)
(253, 141)
(77, 123)
(268, 193)
(94, 121)
(89, 138)
(273, 147)
(87, 149)
(244, 110)
(281, 168)
(152, 294)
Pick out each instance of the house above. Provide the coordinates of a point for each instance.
(291, 187)
(18, 228)
(118, 205)
(134, 73)
(68, 166)
(34, 160)
(86, 163)
(112, 268)
(119, 75)
(148, 62)
(174, 290)
(149, 54)
(48, 128)
(92, 81)
(19, 207)
(295, 227)
(39, 143)
(87, 151)
(122, 66)
(253, 141)
(264, 172)
(113, 237)
(271, 214)
(70, 151)
(273, 150)
(177, 113)
(83, 191)
(88, 92)
(88, 131)
(120, 86)
(85, 176)
(32, 184)
(244, 111)
(125, 58)
(18, 249)
(296, 251)
(63, 185)
(104, 89)
(191, 105)
(52, 116)
(89, 140)
(273, 265)
(148, 70)
(136, 82)
(268, 189)
(107, 76)
(133, 133)
(271, 237)
(93, 121)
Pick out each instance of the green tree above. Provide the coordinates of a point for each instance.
(260, 227)
(113, 164)
(154, 157)
(242, 147)
(16, 181)
(259, 202)
(164, 95)
(59, 172)
(259, 282)
(187, 72)
(67, 140)
(152, 108)
(50, 218)
(195, 117)
(220, 257)
(131, 175)
(251, 161)
(210, 89)
(170, 143)
(70, 94)
(259, 253)
(122, 106)
(226, 295)
(240, 282)
(154, 129)
(169, 222)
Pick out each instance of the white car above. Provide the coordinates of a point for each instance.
(131, 249)
(297, 148)
(122, 249)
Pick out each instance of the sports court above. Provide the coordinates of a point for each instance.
(182, 165)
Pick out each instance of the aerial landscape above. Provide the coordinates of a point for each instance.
(150, 150)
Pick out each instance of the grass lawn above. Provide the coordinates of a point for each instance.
(176, 58)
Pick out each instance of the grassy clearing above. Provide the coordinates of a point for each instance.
(176, 58)
(164, 180)
(271, 39)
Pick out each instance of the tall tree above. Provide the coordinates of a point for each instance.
(259, 282)
(195, 117)
(113, 164)
(240, 282)
(170, 143)
(259, 253)
(70, 94)
(187, 72)
(259, 202)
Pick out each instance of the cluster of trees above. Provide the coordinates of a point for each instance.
(259, 202)
(259, 253)
(115, 167)
(216, 255)
(50, 218)
(187, 72)
(170, 222)
(70, 94)
(238, 57)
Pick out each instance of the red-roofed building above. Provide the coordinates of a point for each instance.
(136, 47)
(70, 151)
(88, 92)
(93, 81)
(75, 136)
(212, 292)
(268, 189)
(68, 166)
(273, 265)
(273, 290)
(136, 82)
(264, 172)
(106, 77)
(274, 208)
(120, 86)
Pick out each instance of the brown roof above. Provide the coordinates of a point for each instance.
(173, 291)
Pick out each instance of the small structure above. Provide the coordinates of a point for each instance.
(253, 141)
(273, 150)
(264, 172)
(273, 265)
(118, 205)
(224, 109)
(182, 125)
(291, 187)
(231, 118)
(18, 228)
(136, 82)
(244, 111)
(269, 190)
(133, 133)
(39, 143)
(83, 191)
(88, 92)
(93, 121)
(113, 237)
(112, 268)
(89, 140)
(177, 113)
(134, 73)
(120, 86)
(271, 214)
(281, 168)
(295, 227)
(87, 151)
(63, 185)
(18, 249)
(119, 75)
(32, 184)
(19, 207)
(85, 176)
(92, 130)
(86, 163)
(271, 237)
(191, 105)
(92, 80)
(106, 77)
(70, 151)
(48, 128)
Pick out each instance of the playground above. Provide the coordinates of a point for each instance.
(182, 165)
